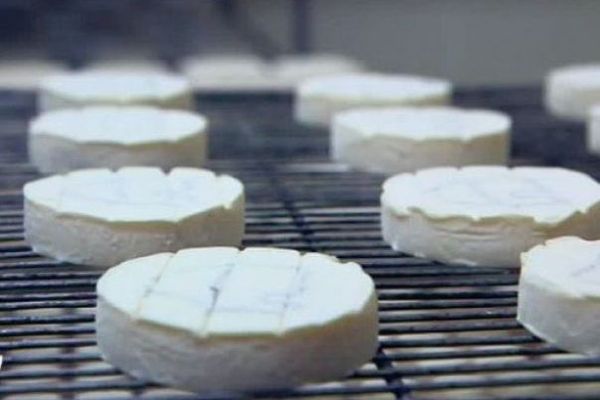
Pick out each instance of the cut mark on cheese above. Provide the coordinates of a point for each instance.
(243, 295)
(590, 272)
(514, 192)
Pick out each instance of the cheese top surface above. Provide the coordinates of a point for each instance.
(116, 85)
(135, 194)
(126, 65)
(546, 195)
(121, 125)
(303, 66)
(569, 265)
(424, 123)
(582, 76)
(372, 86)
(222, 291)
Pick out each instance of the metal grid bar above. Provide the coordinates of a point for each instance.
(447, 332)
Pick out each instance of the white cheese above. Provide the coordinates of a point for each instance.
(126, 65)
(571, 91)
(292, 69)
(26, 74)
(318, 99)
(593, 130)
(220, 319)
(226, 73)
(120, 88)
(404, 139)
(487, 216)
(99, 217)
(559, 293)
(112, 137)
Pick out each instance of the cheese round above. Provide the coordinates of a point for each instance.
(228, 73)
(593, 130)
(26, 74)
(112, 137)
(487, 216)
(221, 319)
(99, 217)
(319, 98)
(119, 88)
(133, 65)
(559, 293)
(571, 91)
(404, 139)
(293, 69)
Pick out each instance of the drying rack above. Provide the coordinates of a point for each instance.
(447, 332)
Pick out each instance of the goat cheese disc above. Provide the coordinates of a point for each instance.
(26, 74)
(112, 137)
(120, 88)
(228, 73)
(484, 215)
(404, 139)
(133, 65)
(100, 217)
(293, 69)
(318, 99)
(559, 293)
(223, 319)
(571, 91)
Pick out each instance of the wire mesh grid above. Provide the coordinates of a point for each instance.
(447, 332)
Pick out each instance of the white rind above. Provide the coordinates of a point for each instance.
(487, 236)
(90, 235)
(314, 352)
(571, 91)
(418, 138)
(27, 74)
(555, 305)
(119, 88)
(318, 99)
(113, 137)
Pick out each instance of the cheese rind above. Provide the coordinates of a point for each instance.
(571, 91)
(113, 137)
(405, 139)
(269, 318)
(226, 73)
(119, 88)
(27, 74)
(559, 293)
(318, 99)
(98, 217)
(487, 216)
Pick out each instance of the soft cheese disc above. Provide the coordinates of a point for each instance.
(112, 137)
(268, 318)
(319, 98)
(228, 73)
(100, 217)
(571, 91)
(559, 293)
(403, 139)
(487, 215)
(115, 88)
(26, 74)
(293, 69)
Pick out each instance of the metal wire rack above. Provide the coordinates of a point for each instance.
(447, 332)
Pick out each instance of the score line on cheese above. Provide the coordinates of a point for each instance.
(221, 319)
(119, 88)
(318, 99)
(559, 293)
(404, 139)
(112, 137)
(487, 216)
(99, 217)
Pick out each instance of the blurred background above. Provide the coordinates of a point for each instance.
(471, 42)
